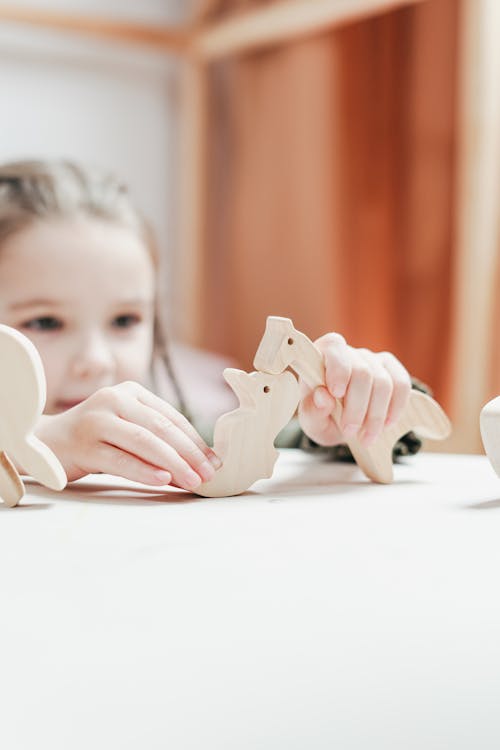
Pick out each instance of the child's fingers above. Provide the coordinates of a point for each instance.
(137, 441)
(357, 397)
(164, 428)
(167, 410)
(401, 386)
(380, 397)
(315, 418)
(117, 462)
(323, 399)
(338, 362)
(374, 387)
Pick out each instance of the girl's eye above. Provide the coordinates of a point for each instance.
(46, 323)
(126, 321)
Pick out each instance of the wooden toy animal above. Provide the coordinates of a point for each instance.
(244, 438)
(283, 346)
(22, 399)
(489, 423)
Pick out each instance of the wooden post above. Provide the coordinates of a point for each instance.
(477, 212)
(192, 177)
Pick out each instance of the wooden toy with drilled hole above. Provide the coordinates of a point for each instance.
(283, 346)
(489, 423)
(244, 438)
(22, 399)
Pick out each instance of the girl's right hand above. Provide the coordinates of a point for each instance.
(127, 431)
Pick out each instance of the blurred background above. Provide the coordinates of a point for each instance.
(332, 161)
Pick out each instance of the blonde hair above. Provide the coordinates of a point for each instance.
(36, 190)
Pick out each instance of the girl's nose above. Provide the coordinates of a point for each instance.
(93, 358)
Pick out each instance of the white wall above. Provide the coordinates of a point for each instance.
(62, 95)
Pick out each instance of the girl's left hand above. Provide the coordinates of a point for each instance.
(374, 386)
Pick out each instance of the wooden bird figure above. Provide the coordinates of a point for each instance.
(22, 399)
(244, 438)
(283, 346)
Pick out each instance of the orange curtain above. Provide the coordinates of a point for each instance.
(331, 189)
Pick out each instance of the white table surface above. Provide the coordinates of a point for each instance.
(320, 611)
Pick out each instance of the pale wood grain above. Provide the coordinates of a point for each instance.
(11, 486)
(244, 438)
(283, 346)
(22, 399)
(489, 420)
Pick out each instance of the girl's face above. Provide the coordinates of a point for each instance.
(82, 290)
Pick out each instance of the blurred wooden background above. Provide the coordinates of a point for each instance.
(339, 165)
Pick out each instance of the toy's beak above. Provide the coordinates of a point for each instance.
(239, 382)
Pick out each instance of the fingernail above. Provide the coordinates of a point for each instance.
(350, 430)
(215, 460)
(207, 471)
(164, 477)
(192, 479)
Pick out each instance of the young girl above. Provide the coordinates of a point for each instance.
(78, 273)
